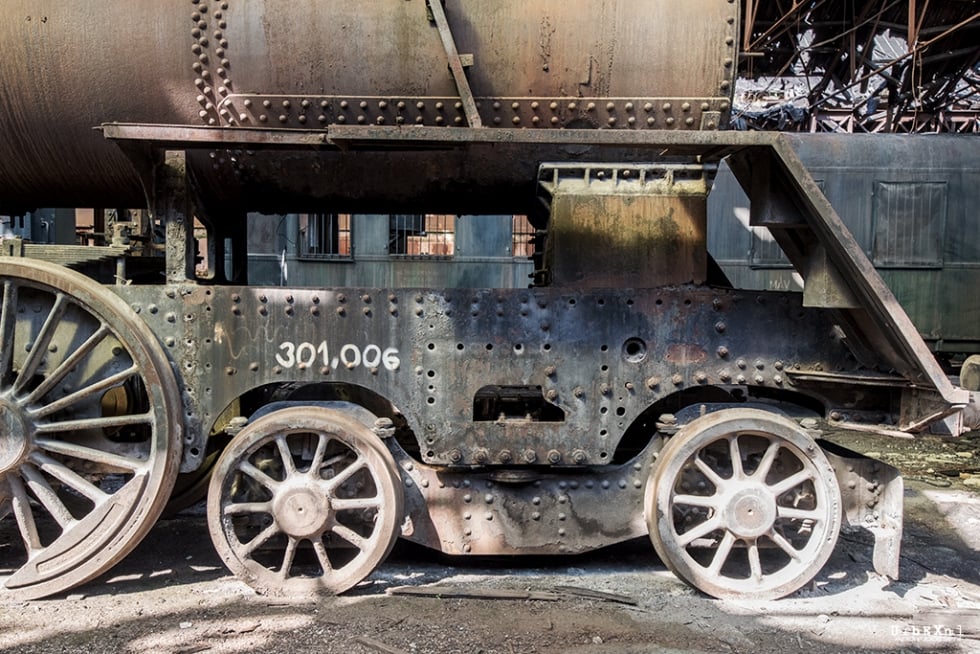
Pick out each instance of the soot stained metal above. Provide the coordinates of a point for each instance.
(630, 391)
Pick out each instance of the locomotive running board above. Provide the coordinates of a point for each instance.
(784, 198)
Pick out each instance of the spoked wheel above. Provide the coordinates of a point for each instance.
(89, 428)
(304, 499)
(743, 503)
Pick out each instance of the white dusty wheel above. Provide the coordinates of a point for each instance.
(304, 499)
(743, 503)
(89, 428)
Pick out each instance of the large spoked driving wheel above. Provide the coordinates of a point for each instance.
(304, 499)
(743, 503)
(89, 428)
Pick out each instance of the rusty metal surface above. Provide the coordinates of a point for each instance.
(275, 63)
(873, 497)
(600, 358)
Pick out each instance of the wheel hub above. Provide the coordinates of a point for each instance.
(302, 511)
(751, 512)
(14, 438)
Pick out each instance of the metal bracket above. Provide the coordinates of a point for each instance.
(872, 495)
(438, 14)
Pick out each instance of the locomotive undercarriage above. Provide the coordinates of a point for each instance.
(627, 397)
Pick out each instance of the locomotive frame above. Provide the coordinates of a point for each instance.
(629, 392)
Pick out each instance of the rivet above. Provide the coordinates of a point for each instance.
(535, 516)
(701, 377)
(720, 327)
(667, 106)
(670, 120)
(652, 382)
(551, 395)
(677, 380)
(590, 106)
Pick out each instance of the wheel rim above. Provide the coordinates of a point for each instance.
(743, 503)
(304, 499)
(89, 427)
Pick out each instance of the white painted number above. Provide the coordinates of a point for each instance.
(351, 356)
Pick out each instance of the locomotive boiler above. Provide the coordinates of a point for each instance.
(630, 391)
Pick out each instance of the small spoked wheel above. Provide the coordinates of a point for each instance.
(743, 503)
(89, 428)
(304, 499)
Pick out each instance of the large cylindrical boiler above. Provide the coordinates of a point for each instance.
(69, 67)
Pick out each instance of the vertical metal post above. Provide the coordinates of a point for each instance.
(172, 208)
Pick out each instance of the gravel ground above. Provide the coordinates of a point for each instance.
(172, 594)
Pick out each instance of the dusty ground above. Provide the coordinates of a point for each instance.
(173, 596)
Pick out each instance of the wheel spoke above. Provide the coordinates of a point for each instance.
(321, 556)
(40, 344)
(791, 482)
(767, 460)
(45, 494)
(260, 540)
(344, 475)
(263, 479)
(88, 391)
(288, 556)
(791, 513)
(355, 503)
(54, 377)
(699, 531)
(708, 472)
(69, 477)
(704, 501)
(755, 565)
(8, 318)
(321, 451)
(784, 545)
(247, 507)
(721, 554)
(287, 456)
(24, 516)
(85, 453)
(736, 455)
(350, 536)
(95, 423)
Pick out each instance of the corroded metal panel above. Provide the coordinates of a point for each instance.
(69, 67)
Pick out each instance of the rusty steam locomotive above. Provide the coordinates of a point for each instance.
(630, 391)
